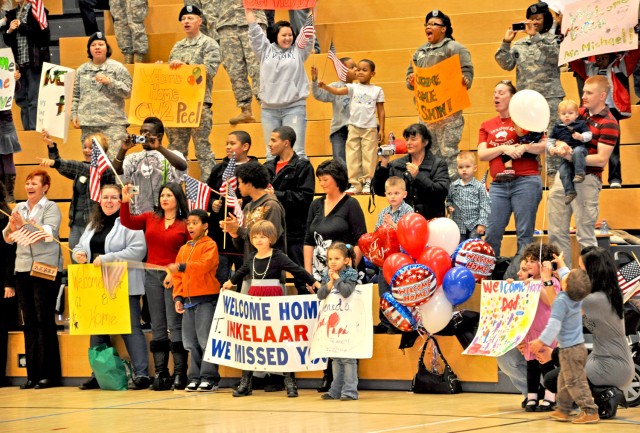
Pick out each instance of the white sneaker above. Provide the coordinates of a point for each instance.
(352, 191)
(193, 385)
(366, 188)
(206, 386)
(615, 185)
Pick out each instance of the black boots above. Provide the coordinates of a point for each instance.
(327, 378)
(608, 401)
(9, 181)
(180, 365)
(244, 388)
(290, 385)
(162, 379)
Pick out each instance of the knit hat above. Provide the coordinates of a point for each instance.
(538, 8)
(446, 21)
(189, 10)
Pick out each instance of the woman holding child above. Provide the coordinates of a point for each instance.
(104, 241)
(519, 194)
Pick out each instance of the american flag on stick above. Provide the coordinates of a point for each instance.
(99, 164)
(306, 33)
(28, 235)
(341, 69)
(230, 182)
(629, 279)
(197, 193)
(37, 10)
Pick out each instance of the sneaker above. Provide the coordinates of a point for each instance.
(140, 382)
(347, 398)
(327, 396)
(193, 385)
(586, 418)
(353, 191)
(615, 185)
(208, 386)
(579, 178)
(366, 187)
(570, 197)
(560, 416)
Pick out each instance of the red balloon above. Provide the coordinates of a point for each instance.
(437, 260)
(413, 233)
(379, 245)
(393, 263)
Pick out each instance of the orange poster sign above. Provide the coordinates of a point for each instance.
(439, 91)
(279, 4)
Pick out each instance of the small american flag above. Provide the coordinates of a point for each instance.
(37, 10)
(99, 164)
(341, 69)
(306, 33)
(28, 235)
(197, 193)
(230, 181)
(629, 276)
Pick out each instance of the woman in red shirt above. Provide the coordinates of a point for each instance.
(165, 231)
(518, 194)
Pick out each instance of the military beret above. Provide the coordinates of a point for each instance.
(189, 10)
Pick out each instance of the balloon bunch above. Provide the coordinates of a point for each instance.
(428, 270)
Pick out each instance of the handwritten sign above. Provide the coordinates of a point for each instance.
(506, 314)
(97, 308)
(264, 333)
(173, 95)
(594, 27)
(345, 326)
(279, 4)
(439, 91)
(7, 68)
(54, 100)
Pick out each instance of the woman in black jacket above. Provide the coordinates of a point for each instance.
(8, 302)
(426, 175)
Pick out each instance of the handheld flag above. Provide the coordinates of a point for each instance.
(197, 193)
(306, 33)
(230, 183)
(341, 69)
(28, 235)
(37, 10)
(99, 164)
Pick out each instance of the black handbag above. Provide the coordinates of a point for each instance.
(431, 381)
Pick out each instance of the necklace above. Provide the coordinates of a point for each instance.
(261, 275)
(169, 219)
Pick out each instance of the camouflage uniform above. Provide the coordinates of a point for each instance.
(239, 59)
(446, 133)
(128, 25)
(536, 61)
(201, 50)
(99, 107)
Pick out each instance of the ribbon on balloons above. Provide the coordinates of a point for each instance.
(393, 263)
(413, 284)
(403, 318)
(413, 232)
(458, 285)
(377, 246)
(477, 256)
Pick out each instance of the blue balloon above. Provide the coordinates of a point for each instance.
(458, 285)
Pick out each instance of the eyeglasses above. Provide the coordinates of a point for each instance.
(434, 24)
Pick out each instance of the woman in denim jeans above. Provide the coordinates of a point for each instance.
(521, 193)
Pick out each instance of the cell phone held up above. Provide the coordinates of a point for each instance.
(517, 27)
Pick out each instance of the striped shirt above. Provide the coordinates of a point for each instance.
(402, 210)
(471, 204)
(605, 130)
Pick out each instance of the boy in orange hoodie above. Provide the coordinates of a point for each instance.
(195, 293)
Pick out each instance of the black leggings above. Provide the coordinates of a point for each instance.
(534, 370)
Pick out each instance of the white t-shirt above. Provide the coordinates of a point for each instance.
(363, 107)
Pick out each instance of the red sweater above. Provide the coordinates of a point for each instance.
(163, 243)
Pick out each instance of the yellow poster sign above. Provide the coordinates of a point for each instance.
(175, 96)
(99, 299)
(439, 91)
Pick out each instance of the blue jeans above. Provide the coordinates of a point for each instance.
(339, 143)
(514, 365)
(26, 95)
(135, 342)
(568, 169)
(165, 322)
(295, 117)
(520, 197)
(196, 324)
(345, 378)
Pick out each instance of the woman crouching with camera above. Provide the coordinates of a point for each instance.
(426, 175)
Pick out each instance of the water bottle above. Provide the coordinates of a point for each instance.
(392, 139)
(604, 227)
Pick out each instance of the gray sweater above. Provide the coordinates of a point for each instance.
(340, 104)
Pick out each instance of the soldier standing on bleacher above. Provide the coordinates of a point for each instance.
(128, 25)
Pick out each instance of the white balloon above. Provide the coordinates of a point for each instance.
(529, 110)
(436, 313)
(444, 233)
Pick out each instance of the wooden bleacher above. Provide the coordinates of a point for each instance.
(387, 32)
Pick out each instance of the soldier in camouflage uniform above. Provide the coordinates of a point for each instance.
(239, 59)
(128, 25)
(99, 90)
(445, 133)
(535, 58)
(208, 17)
(196, 49)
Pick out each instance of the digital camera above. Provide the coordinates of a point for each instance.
(134, 189)
(138, 139)
(387, 150)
